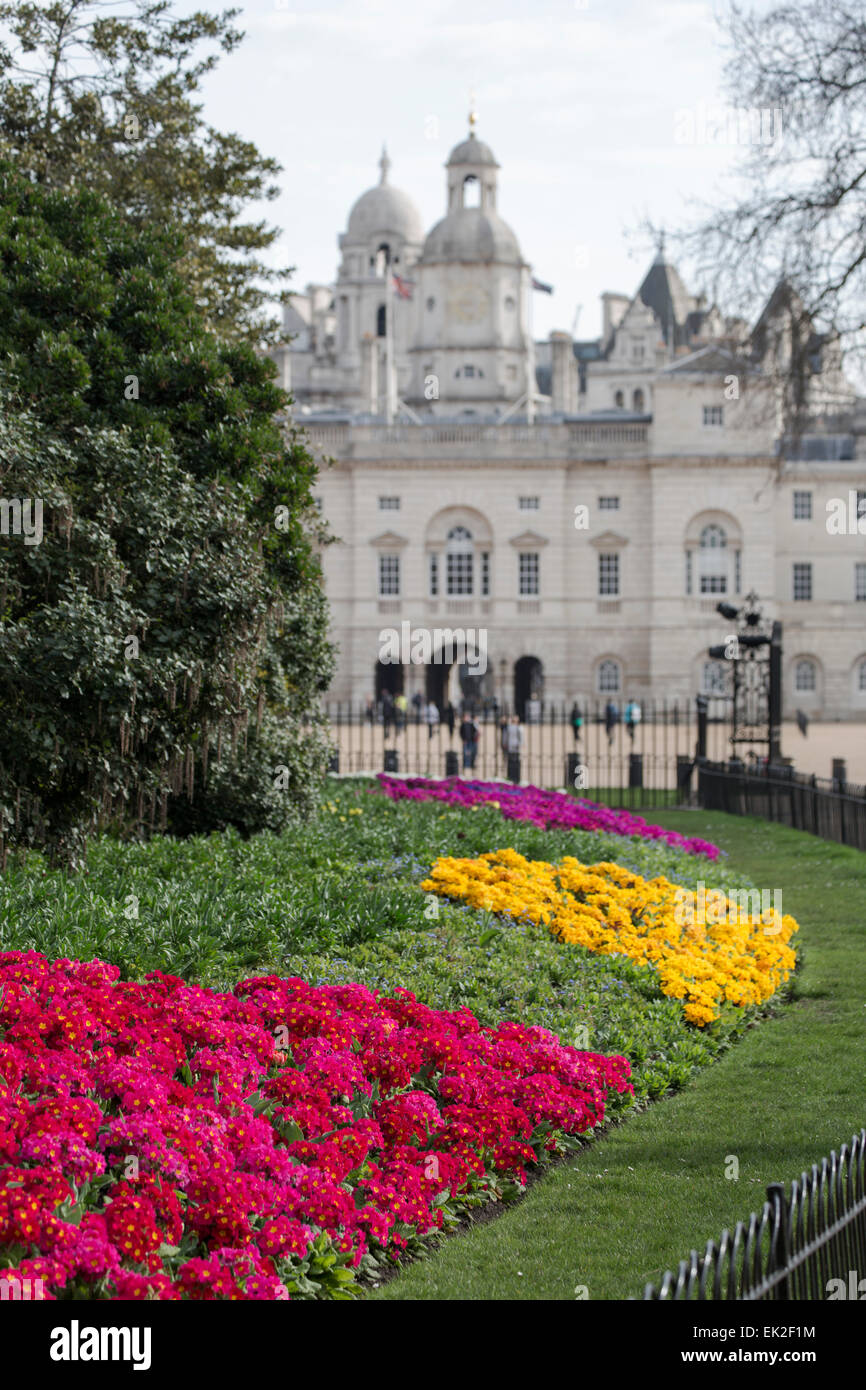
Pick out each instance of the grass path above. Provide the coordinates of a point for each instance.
(636, 1202)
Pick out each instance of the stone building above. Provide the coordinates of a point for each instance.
(584, 504)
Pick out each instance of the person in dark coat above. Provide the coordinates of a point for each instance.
(576, 721)
(611, 718)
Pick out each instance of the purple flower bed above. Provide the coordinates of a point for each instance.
(549, 810)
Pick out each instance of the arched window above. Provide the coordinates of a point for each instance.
(608, 678)
(380, 321)
(713, 560)
(471, 192)
(714, 678)
(383, 259)
(805, 675)
(638, 401)
(619, 400)
(459, 561)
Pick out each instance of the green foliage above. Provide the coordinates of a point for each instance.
(92, 98)
(160, 465)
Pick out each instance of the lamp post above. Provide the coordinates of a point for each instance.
(755, 654)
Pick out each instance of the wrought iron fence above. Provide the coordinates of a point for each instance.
(811, 1245)
(648, 762)
(831, 808)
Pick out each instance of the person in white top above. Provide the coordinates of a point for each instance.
(513, 735)
(431, 714)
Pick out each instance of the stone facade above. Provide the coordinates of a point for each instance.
(586, 504)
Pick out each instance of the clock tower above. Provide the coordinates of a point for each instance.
(470, 353)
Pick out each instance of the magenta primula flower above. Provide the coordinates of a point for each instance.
(548, 810)
(158, 1141)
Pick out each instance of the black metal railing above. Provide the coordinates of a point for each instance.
(829, 807)
(644, 763)
(810, 1245)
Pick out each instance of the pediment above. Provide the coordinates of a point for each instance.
(389, 540)
(529, 540)
(609, 540)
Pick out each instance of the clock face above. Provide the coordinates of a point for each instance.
(469, 304)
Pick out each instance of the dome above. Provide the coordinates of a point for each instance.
(384, 209)
(470, 234)
(472, 151)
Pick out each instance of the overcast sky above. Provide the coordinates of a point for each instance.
(582, 102)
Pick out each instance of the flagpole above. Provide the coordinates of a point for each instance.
(389, 348)
(530, 354)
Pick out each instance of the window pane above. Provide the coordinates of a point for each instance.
(528, 572)
(389, 575)
(805, 676)
(458, 573)
(803, 580)
(608, 575)
(608, 678)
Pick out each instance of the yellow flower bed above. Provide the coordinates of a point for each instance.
(704, 957)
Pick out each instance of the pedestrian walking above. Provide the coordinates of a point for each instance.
(632, 717)
(513, 735)
(611, 719)
(469, 737)
(387, 711)
(401, 709)
(450, 718)
(431, 715)
(576, 721)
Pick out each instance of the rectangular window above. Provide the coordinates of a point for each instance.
(803, 580)
(485, 573)
(714, 415)
(608, 504)
(434, 576)
(528, 504)
(802, 506)
(528, 573)
(389, 504)
(389, 576)
(608, 576)
(468, 371)
(860, 581)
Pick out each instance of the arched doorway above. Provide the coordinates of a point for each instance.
(528, 683)
(389, 676)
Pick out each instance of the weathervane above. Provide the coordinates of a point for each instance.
(473, 114)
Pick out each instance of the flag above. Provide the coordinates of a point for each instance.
(802, 722)
(402, 288)
(540, 285)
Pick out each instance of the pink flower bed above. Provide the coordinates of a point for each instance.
(549, 810)
(165, 1140)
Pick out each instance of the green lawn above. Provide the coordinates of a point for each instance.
(635, 1203)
